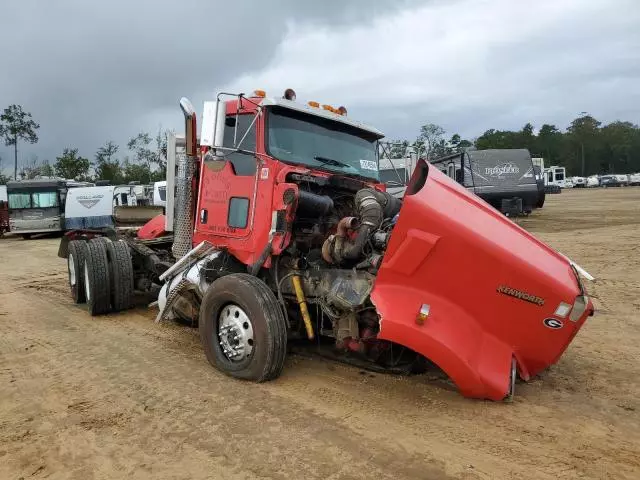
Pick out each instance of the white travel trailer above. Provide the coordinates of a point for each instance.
(593, 181)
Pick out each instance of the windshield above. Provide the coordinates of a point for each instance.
(45, 199)
(19, 200)
(33, 200)
(298, 137)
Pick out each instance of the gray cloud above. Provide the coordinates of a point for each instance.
(94, 71)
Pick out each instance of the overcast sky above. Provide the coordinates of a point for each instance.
(91, 71)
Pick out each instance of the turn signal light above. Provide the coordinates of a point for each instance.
(314, 104)
(260, 93)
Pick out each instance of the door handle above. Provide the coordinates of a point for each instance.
(203, 216)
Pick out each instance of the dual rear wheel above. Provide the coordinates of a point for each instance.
(100, 275)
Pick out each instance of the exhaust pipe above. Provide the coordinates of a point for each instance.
(185, 195)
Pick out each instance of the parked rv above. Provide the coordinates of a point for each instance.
(555, 179)
(504, 178)
(578, 182)
(623, 180)
(95, 208)
(4, 210)
(38, 206)
(160, 193)
(395, 174)
(593, 181)
(634, 179)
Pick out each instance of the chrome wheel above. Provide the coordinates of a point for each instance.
(87, 288)
(235, 333)
(72, 270)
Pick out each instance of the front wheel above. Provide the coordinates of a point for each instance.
(242, 328)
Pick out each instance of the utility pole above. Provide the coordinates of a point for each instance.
(582, 144)
(15, 151)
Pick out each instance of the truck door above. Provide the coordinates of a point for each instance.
(228, 190)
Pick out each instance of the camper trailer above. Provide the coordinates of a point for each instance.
(38, 206)
(504, 178)
(395, 174)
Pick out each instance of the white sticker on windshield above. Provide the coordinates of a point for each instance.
(368, 165)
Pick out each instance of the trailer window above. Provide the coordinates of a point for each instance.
(19, 200)
(45, 199)
(559, 176)
(162, 192)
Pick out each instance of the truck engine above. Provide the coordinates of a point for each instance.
(339, 236)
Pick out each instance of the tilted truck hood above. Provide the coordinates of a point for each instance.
(491, 289)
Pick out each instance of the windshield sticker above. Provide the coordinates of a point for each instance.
(264, 173)
(368, 165)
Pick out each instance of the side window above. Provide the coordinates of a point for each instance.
(243, 164)
(451, 168)
(238, 212)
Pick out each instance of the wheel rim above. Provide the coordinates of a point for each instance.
(72, 270)
(235, 333)
(87, 289)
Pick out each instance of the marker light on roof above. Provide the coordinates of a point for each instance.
(289, 94)
(342, 111)
(260, 93)
(314, 104)
(328, 108)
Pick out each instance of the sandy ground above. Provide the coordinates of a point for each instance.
(119, 396)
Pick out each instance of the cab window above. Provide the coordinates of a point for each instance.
(243, 164)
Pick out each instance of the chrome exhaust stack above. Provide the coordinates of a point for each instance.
(185, 195)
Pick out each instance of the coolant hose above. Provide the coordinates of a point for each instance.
(297, 287)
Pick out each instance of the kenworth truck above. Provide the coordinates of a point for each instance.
(277, 229)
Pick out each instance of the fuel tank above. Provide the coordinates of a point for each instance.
(472, 291)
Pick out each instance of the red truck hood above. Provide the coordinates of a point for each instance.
(491, 289)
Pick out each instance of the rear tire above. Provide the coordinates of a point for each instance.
(75, 267)
(541, 199)
(121, 273)
(96, 278)
(26, 236)
(245, 294)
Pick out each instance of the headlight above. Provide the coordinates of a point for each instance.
(579, 307)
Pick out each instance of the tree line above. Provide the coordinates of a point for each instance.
(144, 163)
(585, 147)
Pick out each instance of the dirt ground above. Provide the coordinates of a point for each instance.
(120, 396)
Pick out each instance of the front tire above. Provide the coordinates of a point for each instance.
(75, 267)
(243, 329)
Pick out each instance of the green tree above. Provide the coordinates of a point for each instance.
(584, 140)
(15, 125)
(429, 138)
(108, 167)
(46, 170)
(70, 165)
(136, 172)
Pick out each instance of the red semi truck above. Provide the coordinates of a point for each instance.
(277, 229)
